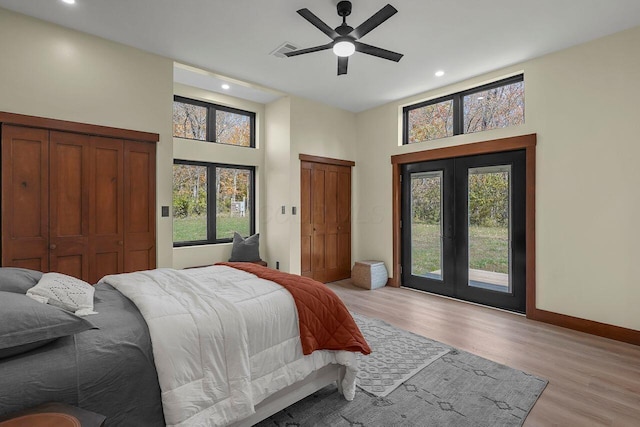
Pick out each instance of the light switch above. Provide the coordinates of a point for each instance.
(165, 211)
(293, 210)
(284, 209)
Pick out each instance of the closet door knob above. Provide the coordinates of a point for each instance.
(120, 242)
(52, 246)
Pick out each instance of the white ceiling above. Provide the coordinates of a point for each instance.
(233, 38)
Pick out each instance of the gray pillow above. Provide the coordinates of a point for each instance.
(245, 250)
(26, 324)
(18, 280)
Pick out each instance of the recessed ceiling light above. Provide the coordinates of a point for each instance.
(225, 86)
(69, 1)
(439, 73)
(480, 98)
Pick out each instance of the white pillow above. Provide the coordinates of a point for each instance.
(65, 292)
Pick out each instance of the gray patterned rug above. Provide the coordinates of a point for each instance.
(457, 389)
(396, 355)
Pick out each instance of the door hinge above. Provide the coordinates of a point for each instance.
(400, 269)
(400, 223)
(400, 179)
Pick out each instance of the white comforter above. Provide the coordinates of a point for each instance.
(223, 340)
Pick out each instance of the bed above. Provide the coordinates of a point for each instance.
(158, 354)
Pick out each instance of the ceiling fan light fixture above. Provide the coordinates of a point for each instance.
(344, 48)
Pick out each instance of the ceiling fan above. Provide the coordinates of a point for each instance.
(345, 38)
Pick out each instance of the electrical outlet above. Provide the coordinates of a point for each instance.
(165, 211)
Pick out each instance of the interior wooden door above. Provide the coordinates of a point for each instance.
(25, 197)
(106, 207)
(139, 206)
(306, 224)
(69, 204)
(343, 234)
(326, 221)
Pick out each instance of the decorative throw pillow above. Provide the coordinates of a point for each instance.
(245, 250)
(26, 324)
(65, 292)
(18, 280)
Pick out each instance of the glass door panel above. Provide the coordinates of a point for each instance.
(489, 213)
(427, 206)
(426, 224)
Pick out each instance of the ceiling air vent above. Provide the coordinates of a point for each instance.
(286, 47)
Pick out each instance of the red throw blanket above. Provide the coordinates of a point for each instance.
(325, 322)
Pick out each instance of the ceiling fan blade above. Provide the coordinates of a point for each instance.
(318, 23)
(310, 50)
(379, 52)
(343, 61)
(378, 18)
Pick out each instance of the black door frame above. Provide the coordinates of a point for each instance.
(527, 142)
(455, 242)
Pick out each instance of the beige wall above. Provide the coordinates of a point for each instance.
(583, 105)
(294, 126)
(186, 149)
(277, 165)
(50, 71)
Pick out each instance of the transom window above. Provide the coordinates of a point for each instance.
(204, 121)
(495, 105)
(211, 201)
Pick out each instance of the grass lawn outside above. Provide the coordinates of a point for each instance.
(195, 227)
(488, 248)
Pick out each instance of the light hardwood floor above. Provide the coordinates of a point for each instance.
(593, 381)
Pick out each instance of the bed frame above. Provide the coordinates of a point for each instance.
(278, 401)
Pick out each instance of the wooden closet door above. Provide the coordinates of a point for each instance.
(139, 206)
(326, 221)
(343, 233)
(337, 226)
(306, 223)
(25, 198)
(321, 248)
(106, 208)
(69, 204)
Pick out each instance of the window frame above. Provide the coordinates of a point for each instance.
(211, 120)
(212, 201)
(458, 106)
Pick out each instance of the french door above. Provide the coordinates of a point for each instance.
(463, 228)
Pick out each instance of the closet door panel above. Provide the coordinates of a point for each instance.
(139, 206)
(319, 221)
(344, 223)
(25, 198)
(331, 209)
(106, 207)
(69, 209)
(306, 226)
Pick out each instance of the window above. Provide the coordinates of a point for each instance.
(432, 121)
(496, 105)
(214, 123)
(211, 201)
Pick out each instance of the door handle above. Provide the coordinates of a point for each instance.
(120, 242)
(52, 246)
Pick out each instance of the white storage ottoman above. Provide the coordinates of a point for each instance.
(369, 274)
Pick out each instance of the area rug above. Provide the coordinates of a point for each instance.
(396, 355)
(457, 389)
